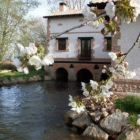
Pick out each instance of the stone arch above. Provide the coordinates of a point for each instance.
(84, 75)
(61, 74)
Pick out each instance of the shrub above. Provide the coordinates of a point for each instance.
(7, 66)
(130, 104)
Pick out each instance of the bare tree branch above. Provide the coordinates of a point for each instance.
(137, 40)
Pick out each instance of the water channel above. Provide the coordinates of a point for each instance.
(34, 111)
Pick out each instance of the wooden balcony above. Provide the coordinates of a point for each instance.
(85, 57)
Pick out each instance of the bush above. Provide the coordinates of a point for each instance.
(130, 104)
(7, 66)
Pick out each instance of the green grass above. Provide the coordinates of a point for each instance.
(21, 74)
(133, 120)
(130, 104)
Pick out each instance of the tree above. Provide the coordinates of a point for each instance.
(35, 32)
(12, 20)
(71, 4)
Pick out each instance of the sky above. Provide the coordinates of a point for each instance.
(40, 11)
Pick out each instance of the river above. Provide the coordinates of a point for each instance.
(34, 111)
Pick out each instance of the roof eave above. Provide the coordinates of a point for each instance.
(55, 16)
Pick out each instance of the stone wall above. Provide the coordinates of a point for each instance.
(18, 80)
(129, 85)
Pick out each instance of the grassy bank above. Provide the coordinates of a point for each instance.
(9, 74)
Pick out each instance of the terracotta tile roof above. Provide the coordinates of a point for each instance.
(76, 12)
(102, 1)
(65, 13)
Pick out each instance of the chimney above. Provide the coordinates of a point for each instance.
(62, 6)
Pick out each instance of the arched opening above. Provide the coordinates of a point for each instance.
(84, 75)
(61, 74)
(104, 76)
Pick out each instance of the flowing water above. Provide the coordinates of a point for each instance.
(34, 111)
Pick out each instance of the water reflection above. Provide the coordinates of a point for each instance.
(34, 111)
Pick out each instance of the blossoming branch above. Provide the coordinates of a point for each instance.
(31, 55)
(128, 10)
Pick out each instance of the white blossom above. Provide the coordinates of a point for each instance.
(79, 109)
(17, 62)
(48, 60)
(20, 69)
(28, 50)
(113, 56)
(35, 60)
(31, 50)
(121, 68)
(70, 98)
(21, 50)
(26, 70)
(110, 9)
(88, 14)
(126, 63)
(86, 93)
(104, 88)
(133, 74)
(116, 19)
(94, 84)
(32, 45)
(117, 74)
(106, 94)
(109, 84)
(94, 24)
(103, 70)
(130, 75)
(37, 67)
(112, 70)
(136, 5)
(127, 20)
(72, 104)
(138, 9)
(83, 86)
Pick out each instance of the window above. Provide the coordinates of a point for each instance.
(62, 44)
(85, 47)
(107, 44)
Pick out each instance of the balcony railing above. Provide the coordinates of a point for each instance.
(85, 57)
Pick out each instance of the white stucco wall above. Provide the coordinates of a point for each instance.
(129, 34)
(87, 31)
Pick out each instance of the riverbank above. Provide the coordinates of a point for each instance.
(18, 80)
(9, 77)
(110, 120)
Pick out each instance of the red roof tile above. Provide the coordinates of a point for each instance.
(65, 13)
(76, 12)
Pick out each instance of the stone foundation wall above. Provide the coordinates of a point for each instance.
(123, 85)
(96, 73)
(18, 80)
